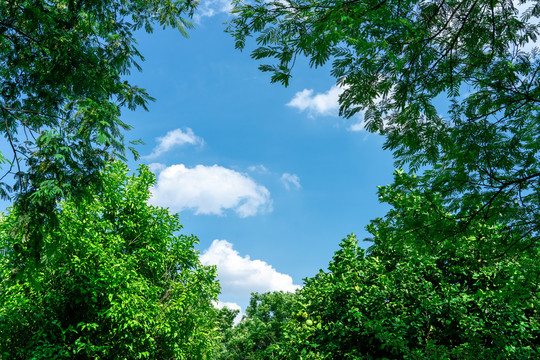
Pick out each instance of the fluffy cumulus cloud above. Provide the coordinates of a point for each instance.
(239, 276)
(290, 181)
(174, 138)
(320, 104)
(323, 104)
(210, 190)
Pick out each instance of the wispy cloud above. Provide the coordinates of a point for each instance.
(290, 181)
(320, 104)
(239, 276)
(156, 167)
(174, 138)
(210, 190)
(359, 126)
(260, 169)
(210, 8)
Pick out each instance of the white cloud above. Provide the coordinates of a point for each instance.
(175, 138)
(359, 126)
(239, 276)
(290, 181)
(156, 167)
(261, 169)
(230, 305)
(326, 104)
(209, 8)
(210, 190)
(321, 104)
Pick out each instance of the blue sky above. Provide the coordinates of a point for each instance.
(269, 178)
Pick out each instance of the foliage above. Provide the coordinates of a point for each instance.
(258, 335)
(61, 93)
(121, 284)
(225, 324)
(395, 59)
(225, 321)
(452, 273)
(421, 292)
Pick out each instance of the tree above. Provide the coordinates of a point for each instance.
(452, 273)
(395, 59)
(258, 335)
(62, 91)
(225, 324)
(121, 284)
(420, 292)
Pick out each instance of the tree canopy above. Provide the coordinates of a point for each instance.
(453, 87)
(452, 272)
(396, 60)
(259, 334)
(62, 89)
(419, 292)
(121, 284)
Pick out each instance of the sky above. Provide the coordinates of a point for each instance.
(269, 178)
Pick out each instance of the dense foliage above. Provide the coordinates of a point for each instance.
(453, 271)
(61, 86)
(258, 335)
(396, 59)
(121, 284)
(225, 319)
(62, 89)
(420, 292)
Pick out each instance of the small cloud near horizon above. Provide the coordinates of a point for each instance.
(233, 306)
(239, 275)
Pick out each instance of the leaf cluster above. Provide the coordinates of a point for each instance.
(420, 293)
(62, 65)
(260, 332)
(120, 284)
(396, 59)
(61, 87)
